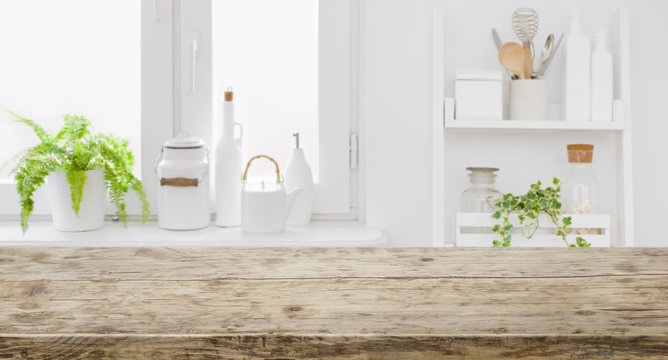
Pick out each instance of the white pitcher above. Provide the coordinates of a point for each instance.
(265, 206)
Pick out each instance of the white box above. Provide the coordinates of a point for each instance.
(479, 95)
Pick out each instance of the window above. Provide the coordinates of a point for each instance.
(179, 82)
(63, 57)
(270, 59)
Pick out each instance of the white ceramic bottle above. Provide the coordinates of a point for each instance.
(577, 72)
(601, 79)
(228, 168)
(298, 175)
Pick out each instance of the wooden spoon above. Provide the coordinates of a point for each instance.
(512, 57)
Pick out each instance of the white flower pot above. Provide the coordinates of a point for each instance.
(91, 212)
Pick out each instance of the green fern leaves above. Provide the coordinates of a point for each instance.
(74, 150)
(76, 179)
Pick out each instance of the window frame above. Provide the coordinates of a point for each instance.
(168, 28)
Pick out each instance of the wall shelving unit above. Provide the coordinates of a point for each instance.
(457, 143)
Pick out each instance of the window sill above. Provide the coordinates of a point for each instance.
(113, 234)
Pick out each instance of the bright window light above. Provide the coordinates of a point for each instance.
(267, 51)
(69, 57)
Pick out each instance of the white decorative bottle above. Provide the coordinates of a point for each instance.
(601, 79)
(577, 71)
(298, 175)
(228, 168)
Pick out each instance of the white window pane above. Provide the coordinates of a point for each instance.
(70, 57)
(267, 51)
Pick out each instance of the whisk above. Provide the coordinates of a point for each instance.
(525, 25)
(525, 19)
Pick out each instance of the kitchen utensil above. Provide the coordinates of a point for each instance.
(499, 43)
(525, 19)
(265, 207)
(528, 57)
(497, 39)
(543, 66)
(547, 49)
(512, 57)
(525, 24)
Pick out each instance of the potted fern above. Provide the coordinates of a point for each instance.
(79, 168)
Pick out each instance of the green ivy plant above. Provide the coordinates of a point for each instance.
(527, 208)
(74, 150)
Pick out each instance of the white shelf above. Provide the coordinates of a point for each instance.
(113, 234)
(519, 125)
(459, 142)
(470, 231)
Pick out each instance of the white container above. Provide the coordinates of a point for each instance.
(528, 99)
(298, 175)
(265, 206)
(183, 193)
(577, 72)
(601, 79)
(479, 95)
(91, 210)
(228, 169)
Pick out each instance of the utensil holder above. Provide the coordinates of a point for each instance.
(528, 99)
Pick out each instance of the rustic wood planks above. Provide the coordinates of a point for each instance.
(407, 303)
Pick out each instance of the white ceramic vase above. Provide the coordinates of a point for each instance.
(91, 212)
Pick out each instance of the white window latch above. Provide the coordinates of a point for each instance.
(354, 152)
(156, 14)
(194, 49)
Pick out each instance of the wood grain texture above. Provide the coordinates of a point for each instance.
(281, 303)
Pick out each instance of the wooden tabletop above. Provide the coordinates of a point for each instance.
(336, 303)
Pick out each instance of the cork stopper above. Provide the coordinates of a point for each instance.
(229, 94)
(580, 153)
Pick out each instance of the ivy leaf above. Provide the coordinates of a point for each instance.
(582, 242)
(529, 206)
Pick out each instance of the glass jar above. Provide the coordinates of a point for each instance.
(481, 193)
(580, 192)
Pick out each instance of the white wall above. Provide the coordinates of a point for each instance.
(398, 111)
(398, 115)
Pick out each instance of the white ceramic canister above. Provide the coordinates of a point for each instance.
(479, 95)
(183, 175)
(528, 99)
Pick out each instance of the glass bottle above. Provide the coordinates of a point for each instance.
(580, 192)
(481, 194)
